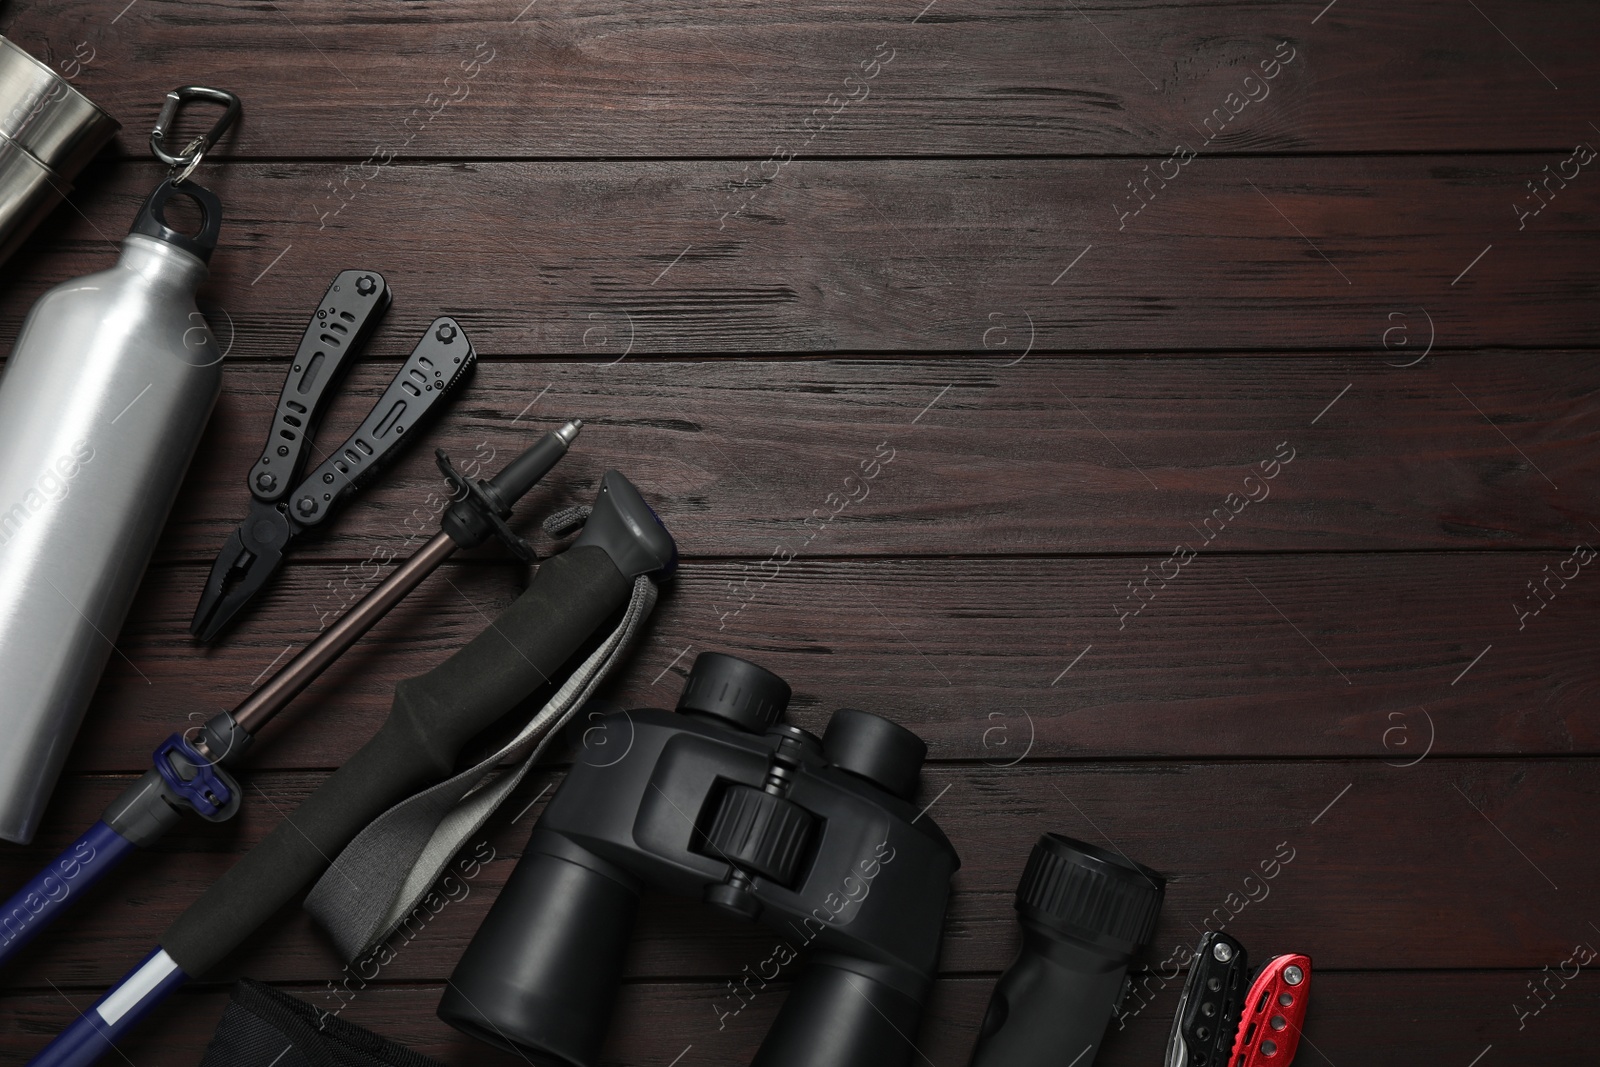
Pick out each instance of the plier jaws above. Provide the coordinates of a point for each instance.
(248, 560)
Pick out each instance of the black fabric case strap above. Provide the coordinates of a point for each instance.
(262, 1027)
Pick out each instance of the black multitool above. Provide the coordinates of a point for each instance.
(284, 507)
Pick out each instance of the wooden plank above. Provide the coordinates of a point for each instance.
(1386, 1020)
(915, 256)
(675, 79)
(1298, 655)
(1361, 865)
(1044, 457)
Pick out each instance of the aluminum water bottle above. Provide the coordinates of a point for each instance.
(102, 403)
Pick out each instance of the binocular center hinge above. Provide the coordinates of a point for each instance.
(793, 748)
(760, 832)
(780, 780)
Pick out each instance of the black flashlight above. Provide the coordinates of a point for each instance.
(1085, 913)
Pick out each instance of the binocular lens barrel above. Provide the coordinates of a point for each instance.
(841, 1014)
(1085, 913)
(540, 977)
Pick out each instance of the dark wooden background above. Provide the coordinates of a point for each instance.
(1069, 394)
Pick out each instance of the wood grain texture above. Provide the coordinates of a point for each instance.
(1386, 1020)
(1362, 866)
(905, 256)
(688, 79)
(1000, 262)
(1045, 457)
(1286, 655)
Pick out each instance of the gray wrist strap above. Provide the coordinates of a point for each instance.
(390, 866)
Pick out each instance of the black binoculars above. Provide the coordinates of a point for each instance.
(817, 839)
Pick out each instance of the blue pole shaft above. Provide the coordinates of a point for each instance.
(96, 1031)
(55, 888)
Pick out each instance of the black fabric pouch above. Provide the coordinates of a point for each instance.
(265, 1028)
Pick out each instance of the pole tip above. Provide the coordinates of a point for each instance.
(570, 431)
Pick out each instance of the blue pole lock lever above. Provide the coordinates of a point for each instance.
(207, 788)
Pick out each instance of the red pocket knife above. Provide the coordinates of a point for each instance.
(1274, 1012)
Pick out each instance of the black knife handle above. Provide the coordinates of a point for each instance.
(1212, 1003)
(439, 364)
(349, 312)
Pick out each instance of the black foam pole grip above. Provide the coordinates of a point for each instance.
(433, 716)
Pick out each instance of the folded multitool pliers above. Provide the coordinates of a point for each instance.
(282, 506)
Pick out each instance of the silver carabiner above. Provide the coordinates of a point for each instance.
(183, 164)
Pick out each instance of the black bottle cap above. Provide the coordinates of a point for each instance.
(1076, 889)
(152, 220)
(735, 691)
(883, 752)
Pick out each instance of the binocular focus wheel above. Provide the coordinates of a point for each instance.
(761, 834)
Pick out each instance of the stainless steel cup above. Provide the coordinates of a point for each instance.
(48, 131)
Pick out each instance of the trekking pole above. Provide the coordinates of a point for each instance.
(194, 775)
(434, 716)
